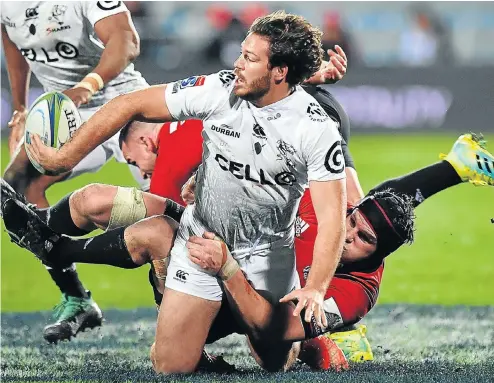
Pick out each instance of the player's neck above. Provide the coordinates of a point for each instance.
(275, 94)
(156, 131)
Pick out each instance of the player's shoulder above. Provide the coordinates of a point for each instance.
(311, 114)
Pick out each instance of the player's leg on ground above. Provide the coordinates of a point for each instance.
(183, 325)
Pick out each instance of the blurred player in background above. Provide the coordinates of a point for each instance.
(84, 49)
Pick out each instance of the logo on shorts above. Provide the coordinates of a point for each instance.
(181, 276)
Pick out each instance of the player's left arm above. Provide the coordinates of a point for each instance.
(329, 201)
(326, 175)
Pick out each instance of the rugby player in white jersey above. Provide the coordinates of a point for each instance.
(84, 49)
(265, 139)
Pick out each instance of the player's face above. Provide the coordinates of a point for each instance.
(252, 69)
(360, 241)
(138, 153)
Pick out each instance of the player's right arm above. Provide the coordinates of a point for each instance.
(196, 97)
(19, 75)
(147, 104)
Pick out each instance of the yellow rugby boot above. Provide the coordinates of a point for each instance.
(471, 160)
(354, 344)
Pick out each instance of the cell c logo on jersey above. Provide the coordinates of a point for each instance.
(285, 178)
(108, 5)
(334, 161)
(66, 50)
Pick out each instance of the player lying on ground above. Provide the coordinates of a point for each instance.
(247, 193)
(84, 49)
(85, 205)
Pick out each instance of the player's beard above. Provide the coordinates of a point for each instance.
(257, 88)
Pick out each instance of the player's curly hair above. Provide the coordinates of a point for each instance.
(400, 210)
(294, 42)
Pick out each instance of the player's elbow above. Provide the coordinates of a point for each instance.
(133, 44)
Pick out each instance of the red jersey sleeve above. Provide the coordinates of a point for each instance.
(179, 155)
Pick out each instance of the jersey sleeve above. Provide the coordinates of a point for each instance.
(94, 11)
(351, 296)
(199, 97)
(323, 153)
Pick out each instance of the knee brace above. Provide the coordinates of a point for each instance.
(128, 208)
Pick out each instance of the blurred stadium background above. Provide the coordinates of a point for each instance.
(419, 75)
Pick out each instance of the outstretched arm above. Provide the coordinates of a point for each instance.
(148, 104)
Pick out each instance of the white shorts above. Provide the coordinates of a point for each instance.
(267, 267)
(95, 160)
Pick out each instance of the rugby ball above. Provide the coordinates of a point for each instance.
(54, 117)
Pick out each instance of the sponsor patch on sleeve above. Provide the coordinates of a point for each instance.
(188, 83)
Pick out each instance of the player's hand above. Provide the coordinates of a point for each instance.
(17, 125)
(331, 71)
(188, 190)
(47, 157)
(79, 96)
(312, 300)
(207, 252)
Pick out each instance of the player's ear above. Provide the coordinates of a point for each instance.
(280, 73)
(150, 144)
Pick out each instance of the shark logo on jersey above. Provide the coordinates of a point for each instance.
(226, 77)
(316, 113)
(57, 13)
(285, 149)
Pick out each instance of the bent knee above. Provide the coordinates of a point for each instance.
(162, 364)
(93, 201)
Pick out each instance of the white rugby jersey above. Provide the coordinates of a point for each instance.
(59, 43)
(256, 161)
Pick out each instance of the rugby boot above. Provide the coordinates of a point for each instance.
(322, 353)
(354, 344)
(212, 363)
(73, 315)
(28, 230)
(471, 160)
(7, 192)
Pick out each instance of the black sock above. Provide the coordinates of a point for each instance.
(60, 220)
(68, 281)
(106, 249)
(423, 183)
(158, 297)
